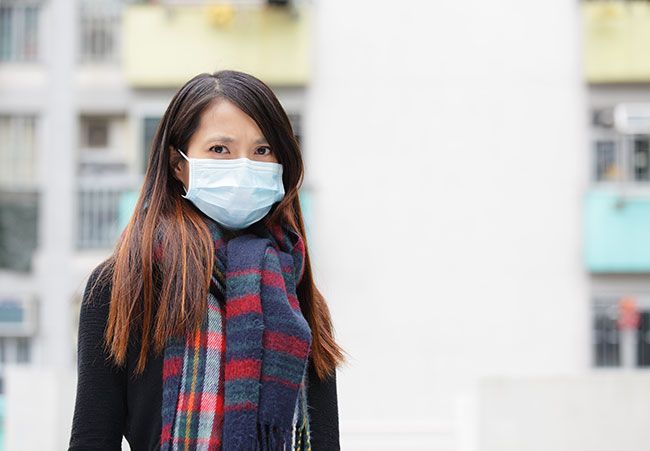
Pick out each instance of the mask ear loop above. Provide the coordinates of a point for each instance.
(188, 160)
(184, 156)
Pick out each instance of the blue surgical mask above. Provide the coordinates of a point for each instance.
(234, 192)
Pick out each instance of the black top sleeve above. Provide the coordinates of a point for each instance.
(322, 405)
(100, 405)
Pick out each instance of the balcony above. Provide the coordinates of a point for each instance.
(617, 41)
(270, 42)
(100, 30)
(104, 206)
(617, 230)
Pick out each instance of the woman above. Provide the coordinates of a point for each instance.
(203, 329)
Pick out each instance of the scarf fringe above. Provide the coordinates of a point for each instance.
(301, 440)
(270, 438)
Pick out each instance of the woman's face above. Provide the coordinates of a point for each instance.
(224, 132)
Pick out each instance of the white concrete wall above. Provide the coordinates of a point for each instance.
(598, 412)
(39, 402)
(447, 146)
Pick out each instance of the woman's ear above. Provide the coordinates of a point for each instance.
(177, 164)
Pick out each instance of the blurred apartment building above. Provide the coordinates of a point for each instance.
(602, 405)
(83, 85)
(502, 336)
(617, 204)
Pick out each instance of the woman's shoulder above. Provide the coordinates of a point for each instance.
(97, 293)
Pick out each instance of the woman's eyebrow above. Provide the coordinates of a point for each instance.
(229, 139)
(223, 138)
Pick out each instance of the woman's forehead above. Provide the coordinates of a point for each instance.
(225, 119)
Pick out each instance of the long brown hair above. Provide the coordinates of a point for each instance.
(161, 266)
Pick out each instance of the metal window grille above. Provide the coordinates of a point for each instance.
(18, 152)
(606, 336)
(19, 30)
(100, 27)
(613, 347)
(99, 204)
(149, 127)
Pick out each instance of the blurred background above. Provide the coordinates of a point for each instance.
(477, 198)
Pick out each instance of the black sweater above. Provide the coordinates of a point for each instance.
(110, 405)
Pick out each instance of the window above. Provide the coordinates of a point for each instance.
(618, 157)
(606, 161)
(19, 30)
(149, 127)
(306, 192)
(101, 140)
(18, 192)
(100, 30)
(607, 147)
(643, 340)
(606, 335)
(615, 345)
(95, 133)
(13, 350)
(106, 175)
(641, 159)
(17, 152)
(296, 124)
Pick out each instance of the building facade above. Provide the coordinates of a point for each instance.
(477, 191)
(83, 85)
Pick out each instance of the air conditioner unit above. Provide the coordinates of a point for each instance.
(632, 118)
(17, 315)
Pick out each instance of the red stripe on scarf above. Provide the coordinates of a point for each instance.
(273, 279)
(165, 434)
(293, 302)
(243, 369)
(241, 406)
(215, 340)
(172, 367)
(241, 272)
(211, 400)
(279, 380)
(286, 343)
(249, 303)
(211, 442)
(186, 398)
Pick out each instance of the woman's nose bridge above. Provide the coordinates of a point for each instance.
(243, 147)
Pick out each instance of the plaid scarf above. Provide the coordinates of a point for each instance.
(240, 382)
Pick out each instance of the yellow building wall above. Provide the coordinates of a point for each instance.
(617, 41)
(166, 46)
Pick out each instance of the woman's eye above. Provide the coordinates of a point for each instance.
(263, 150)
(213, 149)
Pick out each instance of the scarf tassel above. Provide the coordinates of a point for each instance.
(302, 439)
(271, 438)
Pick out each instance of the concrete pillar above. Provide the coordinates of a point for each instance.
(57, 150)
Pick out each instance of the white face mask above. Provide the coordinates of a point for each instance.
(234, 192)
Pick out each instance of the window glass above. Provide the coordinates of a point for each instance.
(606, 161)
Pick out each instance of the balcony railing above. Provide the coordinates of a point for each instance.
(100, 30)
(616, 41)
(272, 43)
(19, 30)
(103, 206)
